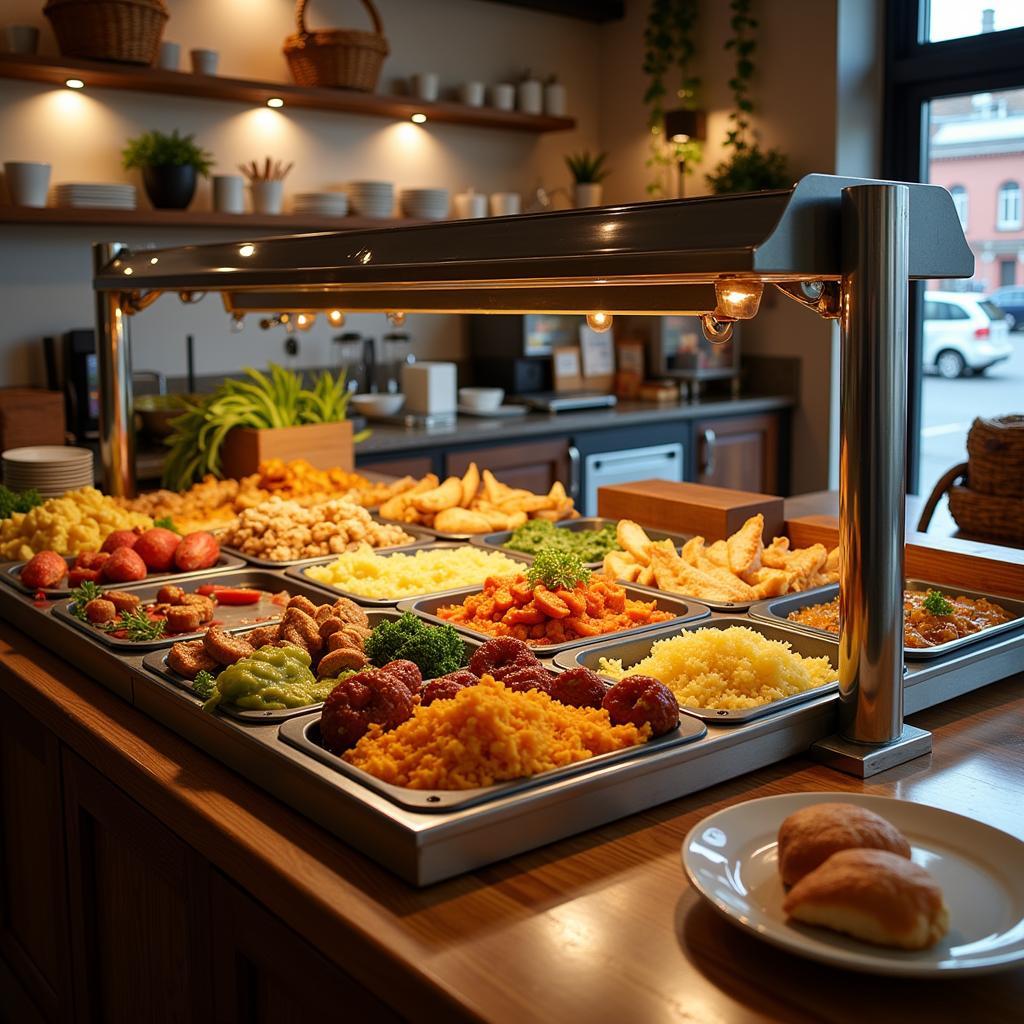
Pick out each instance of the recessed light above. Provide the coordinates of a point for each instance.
(419, 118)
(75, 83)
(246, 250)
(275, 102)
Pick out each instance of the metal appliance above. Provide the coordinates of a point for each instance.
(602, 469)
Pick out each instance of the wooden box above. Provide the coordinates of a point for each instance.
(325, 445)
(31, 416)
(712, 512)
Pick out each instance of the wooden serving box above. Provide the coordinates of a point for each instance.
(325, 445)
(713, 512)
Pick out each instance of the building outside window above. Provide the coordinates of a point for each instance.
(1008, 208)
(959, 194)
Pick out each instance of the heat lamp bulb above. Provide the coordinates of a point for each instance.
(599, 322)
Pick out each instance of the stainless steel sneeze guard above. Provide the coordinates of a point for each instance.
(709, 256)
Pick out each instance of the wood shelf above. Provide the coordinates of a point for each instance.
(144, 218)
(98, 74)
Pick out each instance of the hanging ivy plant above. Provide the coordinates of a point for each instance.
(749, 168)
(669, 47)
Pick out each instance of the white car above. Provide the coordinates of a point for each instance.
(963, 333)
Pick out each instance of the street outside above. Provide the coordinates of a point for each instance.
(949, 407)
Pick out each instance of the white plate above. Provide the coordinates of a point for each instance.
(48, 453)
(731, 860)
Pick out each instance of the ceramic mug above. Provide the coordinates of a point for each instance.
(21, 38)
(472, 94)
(470, 204)
(170, 53)
(530, 96)
(27, 183)
(503, 96)
(228, 193)
(425, 85)
(204, 62)
(505, 204)
(267, 196)
(554, 99)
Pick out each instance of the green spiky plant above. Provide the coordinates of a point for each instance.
(587, 168)
(155, 149)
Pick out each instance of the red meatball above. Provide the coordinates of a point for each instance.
(641, 700)
(43, 570)
(530, 677)
(501, 655)
(355, 703)
(579, 687)
(445, 687)
(407, 671)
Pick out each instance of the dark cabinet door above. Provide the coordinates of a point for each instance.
(741, 452)
(533, 465)
(33, 907)
(266, 974)
(407, 465)
(139, 900)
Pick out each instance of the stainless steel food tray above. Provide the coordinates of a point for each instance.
(419, 538)
(683, 610)
(436, 534)
(299, 572)
(630, 651)
(9, 574)
(304, 735)
(156, 662)
(498, 539)
(725, 607)
(776, 609)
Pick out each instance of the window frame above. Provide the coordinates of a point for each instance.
(915, 73)
(1006, 189)
(962, 202)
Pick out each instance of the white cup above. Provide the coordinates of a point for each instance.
(27, 183)
(425, 85)
(503, 96)
(228, 193)
(505, 204)
(531, 96)
(554, 99)
(21, 38)
(204, 62)
(472, 94)
(170, 54)
(470, 204)
(267, 196)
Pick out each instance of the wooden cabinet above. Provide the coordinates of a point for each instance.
(403, 465)
(533, 465)
(739, 452)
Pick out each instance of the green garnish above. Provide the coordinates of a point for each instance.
(537, 534)
(557, 570)
(166, 523)
(435, 650)
(17, 501)
(937, 604)
(138, 625)
(204, 684)
(81, 596)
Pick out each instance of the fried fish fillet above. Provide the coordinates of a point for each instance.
(745, 546)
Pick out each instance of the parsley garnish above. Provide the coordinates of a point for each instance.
(138, 625)
(204, 684)
(81, 596)
(936, 603)
(557, 570)
(167, 523)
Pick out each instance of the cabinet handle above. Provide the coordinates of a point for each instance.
(707, 462)
(574, 472)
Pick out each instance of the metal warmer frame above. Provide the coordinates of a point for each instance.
(844, 247)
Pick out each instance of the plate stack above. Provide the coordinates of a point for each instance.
(371, 198)
(49, 469)
(425, 203)
(321, 204)
(96, 197)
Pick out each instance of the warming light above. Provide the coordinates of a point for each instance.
(154, 260)
(245, 251)
(75, 83)
(599, 322)
(304, 321)
(336, 317)
(396, 319)
(419, 118)
(128, 271)
(738, 299)
(237, 323)
(276, 102)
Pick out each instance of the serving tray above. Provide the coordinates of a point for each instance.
(777, 608)
(634, 649)
(682, 609)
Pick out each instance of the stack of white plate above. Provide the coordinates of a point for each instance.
(425, 203)
(96, 197)
(50, 469)
(321, 204)
(371, 198)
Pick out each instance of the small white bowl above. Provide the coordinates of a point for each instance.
(482, 399)
(378, 405)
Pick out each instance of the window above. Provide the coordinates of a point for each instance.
(1007, 271)
(959, 194)
(1008, 207)
(958, 19)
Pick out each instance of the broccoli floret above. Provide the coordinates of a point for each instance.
(436, 650)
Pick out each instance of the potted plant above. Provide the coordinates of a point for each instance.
(588, 171)
(170, 165)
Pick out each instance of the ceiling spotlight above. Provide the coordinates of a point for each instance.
(599, 322)
(276, 102)
(336, 317)
(419, 118)
(304, 321)
(396, 319)
(75, 83)
(154, 260)
(246, 250)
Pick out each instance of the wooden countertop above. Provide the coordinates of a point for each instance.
(600, 927)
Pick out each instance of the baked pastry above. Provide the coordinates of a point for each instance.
(810, 836)
(873, 895)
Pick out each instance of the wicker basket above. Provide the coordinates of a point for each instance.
(118, 30)
(989, 516)
(995, 452)
(345, 58)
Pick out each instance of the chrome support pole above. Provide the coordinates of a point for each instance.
(114, 372)
(872, 483)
